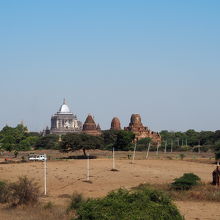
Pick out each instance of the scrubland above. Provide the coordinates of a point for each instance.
(65, 176)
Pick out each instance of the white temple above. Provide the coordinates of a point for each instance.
(64, 121)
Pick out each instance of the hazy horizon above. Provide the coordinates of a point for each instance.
(159, 59)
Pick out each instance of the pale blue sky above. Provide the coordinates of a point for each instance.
(111, 58)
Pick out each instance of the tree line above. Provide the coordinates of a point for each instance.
(18, 139)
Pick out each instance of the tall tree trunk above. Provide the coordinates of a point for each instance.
(84, 152)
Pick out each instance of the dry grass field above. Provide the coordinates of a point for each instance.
(68, 175)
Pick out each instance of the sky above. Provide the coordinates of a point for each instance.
(159, 58)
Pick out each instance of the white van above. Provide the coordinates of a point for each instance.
(40, 157)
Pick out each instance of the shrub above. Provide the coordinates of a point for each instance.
(129, 205)
(24, 191)
(185, 182)
(4, 192)
(182, 156)
(75, 201)
(48, 205)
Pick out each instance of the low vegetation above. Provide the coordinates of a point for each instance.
(75, 201)
(143, 202)
(185, 182)
(127, 205)
(187, 188)
(4, 192)
(22, 192)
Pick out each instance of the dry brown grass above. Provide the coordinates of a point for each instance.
(203, 192)
(39, 212)
(67, 176)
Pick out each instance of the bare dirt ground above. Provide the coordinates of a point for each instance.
(66, 176)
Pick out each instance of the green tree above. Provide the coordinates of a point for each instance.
(8, 143)
(28, 143)
(109, 138)
(206, 137)
(217, 150)
(142, 144)
(192, 137)
(48, 142)
(124, 140)
(73, 142)
(11, 137)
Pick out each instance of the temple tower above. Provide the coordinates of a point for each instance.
(89, 127)
(64, 121)
(140, 131)
(115, 124)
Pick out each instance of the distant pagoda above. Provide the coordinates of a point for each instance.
(64, 121)
(89, 127)
(115, 124)
(140, 131)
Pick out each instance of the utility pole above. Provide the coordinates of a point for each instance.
(87, 176)
(171, 146)
(199, 147)
(165, 147)
(45, 174)
(148, 149)
(113, 158)
(135, 146)
(157, 148)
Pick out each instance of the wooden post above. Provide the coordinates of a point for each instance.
(135, 146)
(113, 158)
(148, 149)
(87, 176)
(45, 174)
(171, 146)
(165, 149)
(157, 152)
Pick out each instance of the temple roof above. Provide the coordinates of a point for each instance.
(115, 124)
(64, 108)
(89, 119)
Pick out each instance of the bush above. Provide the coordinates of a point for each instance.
(129, 205)
(4, 192)
(48, 205)
(185, 182)
(182, 156)
(75, 201)
(24, 191)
